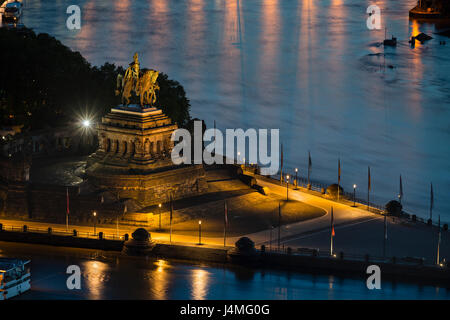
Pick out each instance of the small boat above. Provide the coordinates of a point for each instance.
(390, 42)
(13, 11)
(15, 277)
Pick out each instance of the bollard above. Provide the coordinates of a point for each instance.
(289, 250)
(75, 233)
(25, 228)
(263, 248)
(445, 227)
(49, 230)
(429, 222)
(100, 235)
(414, 218)
(126, 236)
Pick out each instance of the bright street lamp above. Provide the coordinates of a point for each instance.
(95, 220)
(287, 187)
(200, 232)
(159, 205)
(86, 123)
(354, 195)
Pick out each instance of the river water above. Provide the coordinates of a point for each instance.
(113, 276)
(310, 68)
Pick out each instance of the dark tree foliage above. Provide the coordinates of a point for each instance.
(172, 100)
(394, 208)
(44, 83)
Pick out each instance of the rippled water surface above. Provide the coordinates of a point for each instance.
(112, 276)
(310, 68)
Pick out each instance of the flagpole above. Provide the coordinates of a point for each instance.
(171, 212)
(281, 168)
(309, 166)
(332, 233)
(279, 224)
(214, 137)
(225, 225)
(339, 178)
(431, 202)
(67, 211)
(385, 237)
(400, 195)
(368, 190)
(439, 241)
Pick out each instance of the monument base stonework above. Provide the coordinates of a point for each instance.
(133, 160)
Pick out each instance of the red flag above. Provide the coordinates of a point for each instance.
(67, 196)
(226, 214)
(339, 170)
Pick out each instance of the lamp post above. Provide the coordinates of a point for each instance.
(200, 232)
(287, 187)
(296, 179)
(159, 205)
(95, 221)
(354, 195)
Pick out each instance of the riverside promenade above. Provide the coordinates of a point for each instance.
(358, 231)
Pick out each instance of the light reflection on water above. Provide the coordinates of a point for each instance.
(107, 275)
(301, 66)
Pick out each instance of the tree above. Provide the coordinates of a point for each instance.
(44, 84)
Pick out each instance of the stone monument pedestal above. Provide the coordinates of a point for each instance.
(133, 159)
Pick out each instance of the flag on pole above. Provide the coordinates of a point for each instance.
(332, 223)
(401, 189)
(171, 208)
(67, 197)
(368, 188)
(67, 213)
(225, 224)
(281, 160)
(309, 165)
(171, 213)
(339, 177)
(214, 137)
(339, 171)
(431, 200)
(226, 214)
(439, 241)
(332, 232)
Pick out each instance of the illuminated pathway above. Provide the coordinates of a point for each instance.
(357, 231)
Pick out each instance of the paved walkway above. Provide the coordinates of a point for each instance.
(357, 230)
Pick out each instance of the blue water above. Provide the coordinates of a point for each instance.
(112, 276)
(307, 67)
